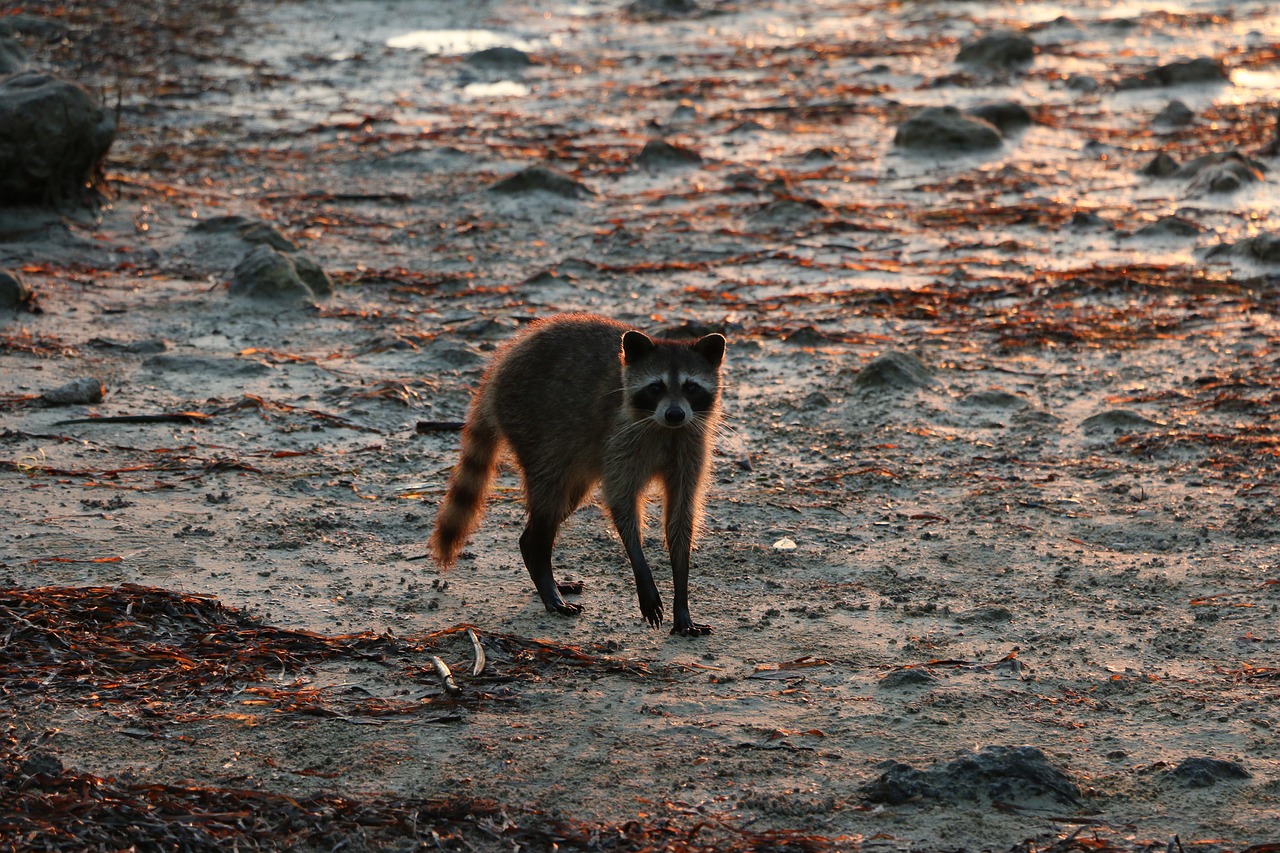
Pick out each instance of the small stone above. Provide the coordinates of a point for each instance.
(1082, 83)
(78, 391)
(894, 370)
(1263, 247)
(660, 154)
(1087, 220)
(265, 274)
(900, 679)
(1175, 114)
(1202, 70)
(500, 58)
(993, 399)
(1169, 226)
(946, 131)
(1161, 166)
(660, 10)
(253, 231)
(1117, 420)
(1008, 774)
(1222, 172)
(991, 614)
(1204, 772)
(1001, 49)
(14, 291)
(1005, 116)
(786, 543)
(41, 764)
(542, 179)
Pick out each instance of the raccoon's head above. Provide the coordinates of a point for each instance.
(672, 383)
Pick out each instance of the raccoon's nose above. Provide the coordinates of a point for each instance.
(674, 416)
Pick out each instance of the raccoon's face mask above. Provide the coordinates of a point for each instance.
(669, 382)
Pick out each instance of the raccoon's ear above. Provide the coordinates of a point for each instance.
(711, 348)
(635, 346)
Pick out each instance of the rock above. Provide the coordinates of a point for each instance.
(14, 291)
(1175, 114)
(900, 679)
(660, 154)
(893, 370)
(253, 231)
(542, 179)
(1222, 172)
(988, 615)
(660, 10)
(1082, 83)
(993, 399)
(946, 131)
(1117, 420)
(1008, 774)
(1001, 49)
(266, 274)
(13, 56)
(53, 134)
(1161, 166)
(208, 367)
(41, 764)
(1086, 220)
(1005, 116)
(1264, 248)
(1169, 226)
(77, 391)
(1205, 772)
(504, 58)
(1202, 70)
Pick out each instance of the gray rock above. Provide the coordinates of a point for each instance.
(1000, 49)
(501, 58)
(1202, 70)
(1222, 172)
(265, 274)
(1160, 166)
(313, 276)
(13, 56)
(1006, 116)
(53, 135)
(993, 399)
(86, 390)
(1008, 774)
(660, 10)
(1169, 226)
(900, 679)
(14, 290)
(987, 615)
(660, 154)
(1264, 248)
(542, 179)
(1087, 220)
(253, 231)
(946, 131)
(1117, 420)
(1203, 772)
(1175, 114)
(1082, 83)
(893, 370)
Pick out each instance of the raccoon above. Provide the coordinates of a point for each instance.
(581, 399)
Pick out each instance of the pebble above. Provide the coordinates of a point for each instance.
(946, 131)
(894, 370)
(1000, 49)
(78, 391)
(14, 290)
(542, 179)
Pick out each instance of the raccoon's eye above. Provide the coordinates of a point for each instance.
(655, 387)
(691, 387)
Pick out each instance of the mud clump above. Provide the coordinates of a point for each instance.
(1222, 172)
(15, 293)
(500, 58)
(1174, 114)
(941, 131)
(81, 391)
(893, 371)
(1117, 421)
(1010, 774)
(53, 135)
(1006, 116)
(1263, 248)
(1201, 772)
(265, 274)
(1002, 49)
(660, 154)
(542, 179)
(1202, 70)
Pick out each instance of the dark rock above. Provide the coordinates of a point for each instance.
(253, 231)
(806, 336)
(993, 399)
(893, 370)
(542, 179)
(900, 679)
(13, 56)
(78, 391)
(266, 274)
(1085, 220)
(819, 155)
(41, 764)
(500, 58)
(660, 10)
(1116, 420)
(945, 130)
(1161, 166)
(1008, 774)
(1169, 226)
(14, 290)
(660, 154)
(1082, 83)
(1205, 772)
(1006, 116)
(989, 615)
(1222, 172)
(1175, 114)
(1000, 49)
(53, 135)
(1264, 248)
(1202, 70)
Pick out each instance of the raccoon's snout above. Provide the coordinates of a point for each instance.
(673, 416)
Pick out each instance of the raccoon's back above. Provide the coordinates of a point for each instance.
(556, 390)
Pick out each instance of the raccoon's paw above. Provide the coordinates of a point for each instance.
(688, 628)
(564, 608)
(651, 610)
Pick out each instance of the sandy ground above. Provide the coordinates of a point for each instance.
(1066, 537)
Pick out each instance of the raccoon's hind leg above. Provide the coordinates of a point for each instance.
(548, 508)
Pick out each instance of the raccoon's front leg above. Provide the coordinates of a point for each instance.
(680, 517)
(626, 518)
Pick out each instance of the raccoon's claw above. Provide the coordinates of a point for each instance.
(652, 613)
(692, 629)
(564, 608)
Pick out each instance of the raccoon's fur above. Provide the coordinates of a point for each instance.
(581, 399)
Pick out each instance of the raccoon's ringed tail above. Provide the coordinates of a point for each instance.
(464, 501)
